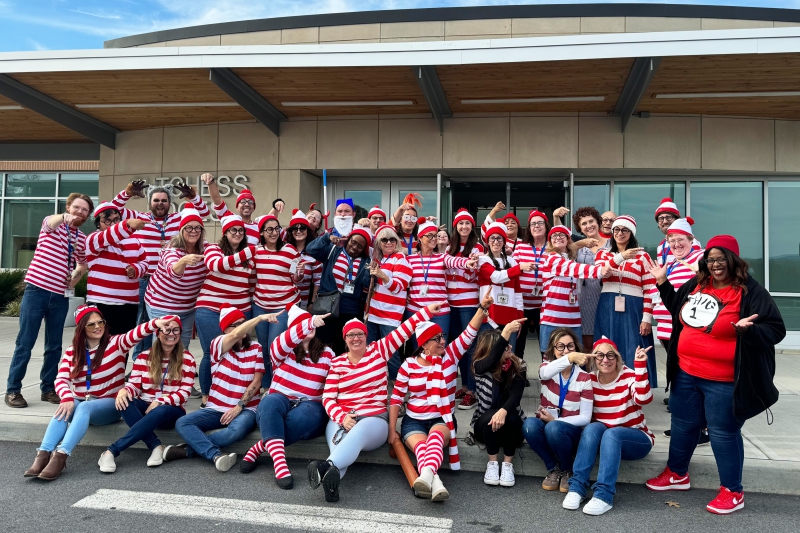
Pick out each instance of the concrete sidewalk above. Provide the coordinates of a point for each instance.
(772, 454)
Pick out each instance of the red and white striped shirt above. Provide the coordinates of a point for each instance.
(462, 285)
(109, 252)
(632, 279)
(362, 386)
(579, 390)
(109, 377)
(664, 254)
(343, 270)
(303, 380)
(413, 378)
(231, 373)
(168, 392)
(157, 232)
(49, 268)
(531, 283)
(250, 228)
(389, 298)
(274, 286)
(170, 292)
(504, 286)
(560, 280)
(428, 276)
(620, 403)
(677, 274)
(511, 244)
(312, 275)
(229, 278)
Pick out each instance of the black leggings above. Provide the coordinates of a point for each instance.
(532, 324)
(508, 437)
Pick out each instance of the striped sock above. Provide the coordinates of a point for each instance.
(276, 451)
(434, 454)
(254, 452)
(419, 451)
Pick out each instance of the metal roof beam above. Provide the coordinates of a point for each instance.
(432, 89)
(639, 78)
(67, 116)
(248, 98)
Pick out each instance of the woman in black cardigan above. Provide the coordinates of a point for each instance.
(720, 363)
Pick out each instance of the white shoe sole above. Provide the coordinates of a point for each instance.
(571, 508)
(422, 488)
(492, 482)
(440, 496)
(724, 511)
(225, 462)
(668, 487)
(507, 483)
(106, 469)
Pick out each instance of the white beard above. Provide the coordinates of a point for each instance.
(343, 225)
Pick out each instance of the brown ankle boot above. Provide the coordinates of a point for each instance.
(57, 463)
(42, 458)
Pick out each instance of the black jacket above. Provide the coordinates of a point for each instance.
(754, 362)
(504, 395)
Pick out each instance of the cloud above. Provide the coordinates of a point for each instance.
(98, 15)
(36, 45)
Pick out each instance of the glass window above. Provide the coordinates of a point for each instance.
(790, 311)
(784, 241)
(641, 200)
(22, 221)
(88, 226)
(364, 201)
(734, 208)
(428, 208)
(595, 195)
(31, 185)
(85, 183)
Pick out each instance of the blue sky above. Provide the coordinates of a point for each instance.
(76, 24)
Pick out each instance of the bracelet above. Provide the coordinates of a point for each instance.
(275, 201)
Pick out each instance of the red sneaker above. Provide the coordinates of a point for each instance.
(726, 502)
(460, 394)
(469, 402)
(669, 480)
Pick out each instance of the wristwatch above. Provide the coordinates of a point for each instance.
(240, 404)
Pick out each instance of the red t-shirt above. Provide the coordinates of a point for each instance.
(707, 344)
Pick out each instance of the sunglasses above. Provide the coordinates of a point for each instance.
(298, 229)
(387, 240)
(96, 325)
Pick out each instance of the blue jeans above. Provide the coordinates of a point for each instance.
(37, 305)
(376, 332)
(207, 322)
(193, 426)
(281, 418)
(142, 425)
(266, 333)
(614, 444)
(546, 330)
(698, 403)
(66, 434)
(460, 317)
(142, 317)
(555, 442)
(442, 320)
(187, 322)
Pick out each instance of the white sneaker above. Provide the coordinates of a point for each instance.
(107, 463)
(438, 492)
(507, 475)
(572, 501)
(596, 507)
(423, 483)
(492, 475)
(156, 456)
(224, 462)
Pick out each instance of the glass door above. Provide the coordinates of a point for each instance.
(427, 195)
(365, 194)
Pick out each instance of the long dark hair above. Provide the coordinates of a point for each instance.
(278, 244)
(399, 226)
(291, 240)
(529, 234)
(455, 243)
(737, 270)
(315, 350)
(484, 345)
(557, 335)
(632, 243)
(491, 256)
(227, 248)
(79, 345)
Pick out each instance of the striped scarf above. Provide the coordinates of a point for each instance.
(438, 396)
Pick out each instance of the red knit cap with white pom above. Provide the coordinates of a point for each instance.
(667, 206)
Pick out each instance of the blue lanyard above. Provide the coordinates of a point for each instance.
(349, 274)
(672, 267)
(70, 249)
(563, 388)
(427, 268)
(88, 371)
(537, 259)
(664, 253)
(159, 226)
(409, 244)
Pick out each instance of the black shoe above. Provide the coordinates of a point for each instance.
(666, 433)
(51, 396)
(173, 453)
(285, 483)
(666, 400)
(245, 467)
(316, 471)
(704, 439)
(330, 482)
(15, 400)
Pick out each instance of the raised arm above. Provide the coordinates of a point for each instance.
(320, 248)
(391, 342)
(129, 340)
(230, 339)
(640, 387)
(285, 343)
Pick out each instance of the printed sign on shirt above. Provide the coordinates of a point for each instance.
(701, 311)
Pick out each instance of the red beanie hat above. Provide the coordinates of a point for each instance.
(425, 227)
(463, 214)
(496, 228)
(84, 310)
(559, 229)
(105, 206)
(190, 214)
(229, 314)
(298, 217)
(511, 216)
(377, 211)
(231, 221)
(364, 232)
(425, 331)
(296, 314)
(726, 242)
(604, 340)
(263, 220)
(682, 226)
(352, 324)
(667, 206)
(246, 194)
(536, 213)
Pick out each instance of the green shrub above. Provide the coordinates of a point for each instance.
(80, 287)
(12, 284)
(12, 308)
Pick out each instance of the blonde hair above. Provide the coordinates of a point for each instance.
(593, 362)
(174, 368)
(177, 241)
(385, 233)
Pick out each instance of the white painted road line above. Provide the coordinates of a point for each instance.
(304, 517)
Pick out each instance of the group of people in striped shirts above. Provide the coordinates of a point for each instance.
(302, 329)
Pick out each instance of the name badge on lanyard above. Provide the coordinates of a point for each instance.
(619, 299)
(349, 287)
(423, 291)
(502, 298)
(573, 296)
(160, 393)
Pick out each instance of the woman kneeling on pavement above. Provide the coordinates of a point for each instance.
(87, 384)
(355, 398)
(429, 377)
(618, 429)
(721, 363)
(157, 389)
(237, 367)
(500, 381)
(565, 408)
(292, 411)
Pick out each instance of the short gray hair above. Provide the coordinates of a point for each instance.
(385, 233)
(154, 189)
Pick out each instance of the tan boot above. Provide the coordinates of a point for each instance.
(42, 458)
(58, 461)
(438, 492)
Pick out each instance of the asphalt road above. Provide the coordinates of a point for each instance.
(192, 496)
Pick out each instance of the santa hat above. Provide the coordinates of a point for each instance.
(559, 229)
(264, 219)
(667, 207)
(682, 226)
(231, 221)
(229, 314)
(726, 242)
(296, 314)
(352, 324)
(508, 216)
(190, 214)
(105, 206)
(425, 331)
(536, 213)
(84, 310)
(496, 228)
(463, 214)
(298, 217)
(425, 226)
(605, 340)
(246, 194)
(625, 221)
(377, 211)
(364, 232)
